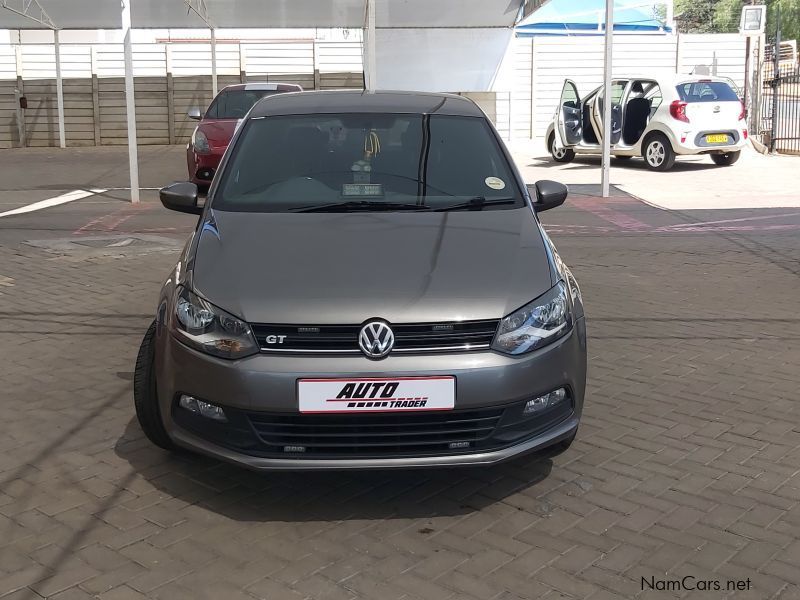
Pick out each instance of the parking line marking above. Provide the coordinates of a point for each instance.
(55, 201)
(726, 221)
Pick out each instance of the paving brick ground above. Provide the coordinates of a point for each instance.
(687, 462)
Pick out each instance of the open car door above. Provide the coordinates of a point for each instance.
(568, 116)
(617, 93)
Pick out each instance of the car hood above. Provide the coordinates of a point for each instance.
(326, 268)
(218, 132)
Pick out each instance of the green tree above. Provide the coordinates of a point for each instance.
(695, 16)
(722, 16)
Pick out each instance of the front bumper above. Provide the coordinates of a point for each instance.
(203, 167)
(265, 385)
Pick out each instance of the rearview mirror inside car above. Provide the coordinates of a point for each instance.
(181, 197)
(195, 113)
(547, 194)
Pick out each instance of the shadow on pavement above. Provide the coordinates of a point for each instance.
(245, 495)
(635, 164)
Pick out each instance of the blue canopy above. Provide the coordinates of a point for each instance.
(565, 17)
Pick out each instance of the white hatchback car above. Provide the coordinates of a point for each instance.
(657, 118)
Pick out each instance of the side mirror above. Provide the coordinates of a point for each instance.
(194, 113)
(547, 194)
(181, 197)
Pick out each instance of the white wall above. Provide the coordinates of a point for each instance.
(439, 59)
(290, 57)
(534, 69)
(148, 36)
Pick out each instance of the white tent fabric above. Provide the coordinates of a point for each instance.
(167, 14)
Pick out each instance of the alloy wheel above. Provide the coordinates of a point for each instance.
(655, 153)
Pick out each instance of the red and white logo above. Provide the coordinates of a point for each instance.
(376, 394)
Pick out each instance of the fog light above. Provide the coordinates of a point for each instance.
(294, 448)
(542, 402)
(204, 409)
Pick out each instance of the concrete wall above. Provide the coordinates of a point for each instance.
(438, 59)
(169, 79)
(94, 108)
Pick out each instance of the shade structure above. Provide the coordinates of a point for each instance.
(566, 17)
(496, 16)
(174, 14)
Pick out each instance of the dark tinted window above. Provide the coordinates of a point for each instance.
(283, 163)
(707, 91)
(234, 104)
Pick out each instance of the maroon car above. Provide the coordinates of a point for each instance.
(215, 130)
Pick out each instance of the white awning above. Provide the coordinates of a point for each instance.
(175, 14)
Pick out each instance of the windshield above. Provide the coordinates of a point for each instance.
(707, 91)
(235, 104)
(366, 162)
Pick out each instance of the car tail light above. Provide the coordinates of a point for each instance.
(745, 133)
(742, 114)
(678, 111)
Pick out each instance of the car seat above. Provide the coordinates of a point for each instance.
(637, 113)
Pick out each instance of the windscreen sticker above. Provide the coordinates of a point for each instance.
(362, 189)
(495, 183)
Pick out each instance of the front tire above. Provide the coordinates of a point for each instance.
(145, 396)
(658, 153)
(726, 159)
(561, 155)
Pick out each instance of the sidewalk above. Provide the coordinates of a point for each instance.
(756, 181)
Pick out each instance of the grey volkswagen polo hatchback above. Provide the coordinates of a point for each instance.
(368, 286)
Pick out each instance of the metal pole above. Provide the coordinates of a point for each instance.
(213, 62)
(609, 38)
(130, 104)
(746, 98)
(369, 47)
(20, 117)
(776, 81)
(62, 138)
(670, 16)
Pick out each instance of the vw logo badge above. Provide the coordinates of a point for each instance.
(376, 339)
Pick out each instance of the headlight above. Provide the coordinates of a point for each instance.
(542, 321)
(200, 142)
(205, 327)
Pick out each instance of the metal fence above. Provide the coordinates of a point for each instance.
(780, 110)
(780, 113)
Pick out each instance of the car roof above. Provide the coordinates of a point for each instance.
(358, 101)
(670, 78)
(264, 85)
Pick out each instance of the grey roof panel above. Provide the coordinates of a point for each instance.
(356, 101)
(156, 14)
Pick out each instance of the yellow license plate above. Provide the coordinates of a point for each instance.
(717, 139)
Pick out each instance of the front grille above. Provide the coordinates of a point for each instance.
(409, 337)
(373, 435)
(377, 434)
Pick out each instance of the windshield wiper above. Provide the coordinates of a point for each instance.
(476, 203)
(356, 205)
